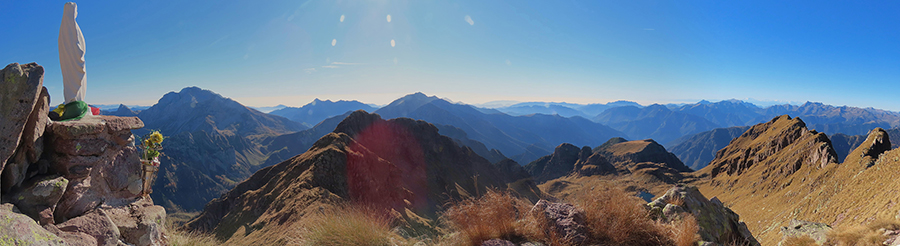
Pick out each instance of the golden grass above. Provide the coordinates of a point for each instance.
(862, 235)
(799, 241)
(177, 237)
(684, 231)
(616, 217)
(494, 215)
(612, 217)
(349, 225)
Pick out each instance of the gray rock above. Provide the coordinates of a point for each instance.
(20, 87)
(532, 244)
(799, 228)
(718, 224)
(19, 229)
(96, 224)
(38, 199)
(141, 223)
(96, 155)
(564, 219)
(497, 242)
(31, 145)
(893, 237)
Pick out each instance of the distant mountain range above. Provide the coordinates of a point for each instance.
(316, 111)
(654, 122)
(665, 123)
(509, 134)
(215, 142)
(563, 109)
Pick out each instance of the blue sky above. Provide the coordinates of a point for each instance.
(264, 53)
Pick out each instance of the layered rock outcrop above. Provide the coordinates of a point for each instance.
(558, 164)
(68, 183)
(628, 154)
(768, 144)
(717, 223)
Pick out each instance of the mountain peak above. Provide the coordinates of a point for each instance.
(783, 144)
(175, 111)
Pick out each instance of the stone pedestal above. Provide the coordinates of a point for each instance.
(98, 157)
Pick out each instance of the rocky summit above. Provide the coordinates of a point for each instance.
(779, 171)
(399, 165)
(777, 149)
(69, 183)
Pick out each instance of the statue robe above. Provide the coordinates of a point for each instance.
(71, 55)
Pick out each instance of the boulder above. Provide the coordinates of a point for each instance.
(18, 229)
(893, 237)
(718, 224)
(799, 228)
(98, 158)
(564, 219)
(560, 163)
(38, 199)
(595, 164)
(497, 242)
(21, 86)
(95, 223)
(30, 146)
(141, 223)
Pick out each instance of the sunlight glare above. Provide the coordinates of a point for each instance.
(389, 18)
(342, 18)
(392, 43)
(333, 42)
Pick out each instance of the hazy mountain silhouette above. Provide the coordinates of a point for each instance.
(563, 109)
(532, 152)
(726, 113)
(641, 122)
(655, 122)
(122, 111)
(696, 151)
(509, 134)
(316, 111)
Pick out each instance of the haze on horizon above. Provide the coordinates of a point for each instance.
(287, 52)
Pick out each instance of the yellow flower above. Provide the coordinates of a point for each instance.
(156, 137)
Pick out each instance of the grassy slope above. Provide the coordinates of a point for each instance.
(775, 189)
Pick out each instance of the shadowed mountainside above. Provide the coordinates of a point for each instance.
(211, 144)
(696, 151)
(400, 164)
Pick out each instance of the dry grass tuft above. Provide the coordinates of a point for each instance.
(616, 217)
(612, 217)
(349, 225)
(494, 215)
(178, 237)
(684, 231)
(870, 234)
(799, 241)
